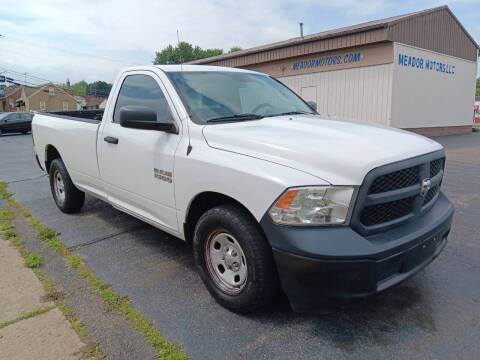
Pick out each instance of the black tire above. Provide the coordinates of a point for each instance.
(73, 198)
(261, 285)
(1, 132)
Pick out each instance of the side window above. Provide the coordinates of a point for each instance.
(142, 90)
(14, 117)
(26, 116)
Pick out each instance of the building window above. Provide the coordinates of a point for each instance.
(51, 91)
(10, 102)
(65, 106)
(43, 107)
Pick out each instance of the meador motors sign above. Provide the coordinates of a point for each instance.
(328, 61)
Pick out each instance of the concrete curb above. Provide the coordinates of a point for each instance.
(30, 326)
(115, 336)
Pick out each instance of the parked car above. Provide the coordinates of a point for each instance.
(271, 194)
(15, 122)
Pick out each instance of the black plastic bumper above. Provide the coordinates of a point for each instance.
(317, 264)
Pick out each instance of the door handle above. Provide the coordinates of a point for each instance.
(111, 139)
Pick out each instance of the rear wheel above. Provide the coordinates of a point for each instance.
(67, 197)
(1, 132)
(234, 259)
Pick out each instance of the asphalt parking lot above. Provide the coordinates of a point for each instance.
(434, 315)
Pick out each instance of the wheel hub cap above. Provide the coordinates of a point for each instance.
(226, 262)
(59, 186)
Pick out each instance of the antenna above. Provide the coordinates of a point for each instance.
(178, 44)
(301, 29)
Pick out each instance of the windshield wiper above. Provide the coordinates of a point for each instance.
(236, 117)
(289, 113)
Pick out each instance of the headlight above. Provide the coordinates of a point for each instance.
(319, 205)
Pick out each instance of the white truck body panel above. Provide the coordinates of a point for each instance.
(340, 152)
(78, 143)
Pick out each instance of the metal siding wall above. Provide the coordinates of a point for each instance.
(361, 94)
(437, 31)
(427, 98)
(292, 50)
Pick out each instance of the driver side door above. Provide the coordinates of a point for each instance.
(137, 166)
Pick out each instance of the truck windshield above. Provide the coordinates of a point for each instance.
(217, 96)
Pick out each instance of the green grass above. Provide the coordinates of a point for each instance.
(73, 261)
(26, 316)
(55, 244)
(114, 302)
(33, 261)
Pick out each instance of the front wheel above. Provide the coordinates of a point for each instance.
(234, 259)
(67, 197)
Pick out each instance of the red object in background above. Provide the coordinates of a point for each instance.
(477, 120)
(475, 107)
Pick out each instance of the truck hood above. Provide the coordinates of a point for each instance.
(336, 151)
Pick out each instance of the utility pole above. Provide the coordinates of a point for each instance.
(25, 82)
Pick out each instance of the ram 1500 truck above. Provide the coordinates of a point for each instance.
(271, 195)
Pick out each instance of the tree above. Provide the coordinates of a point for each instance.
(99, 89)
(477, 93)
(79, 88)
(234, 48)
(183, 52)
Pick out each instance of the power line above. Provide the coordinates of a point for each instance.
(23, 73)
(18, 74)
(77, 53)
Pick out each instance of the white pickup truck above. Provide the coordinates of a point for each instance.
(272, 195)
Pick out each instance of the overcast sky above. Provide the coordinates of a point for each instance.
(94, 39)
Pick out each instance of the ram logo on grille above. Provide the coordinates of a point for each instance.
(426, 185)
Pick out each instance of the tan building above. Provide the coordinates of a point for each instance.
(7, 102)
(92, 102)
(415, 71)
(48, 97)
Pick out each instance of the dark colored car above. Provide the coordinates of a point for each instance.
(15, 122)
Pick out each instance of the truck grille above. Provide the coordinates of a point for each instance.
(377, 214)
(431, 194)
(395, 180)
(392, 194)
(436, 166)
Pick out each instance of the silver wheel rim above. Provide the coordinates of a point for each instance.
(59, 186)
(226, 262)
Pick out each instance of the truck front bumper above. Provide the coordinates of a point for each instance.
(319, 264)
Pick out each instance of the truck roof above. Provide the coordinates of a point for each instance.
(177, 68)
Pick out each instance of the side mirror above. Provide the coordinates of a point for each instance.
(312, 104)
(144, 117)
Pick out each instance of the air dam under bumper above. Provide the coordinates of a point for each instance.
(320, 264)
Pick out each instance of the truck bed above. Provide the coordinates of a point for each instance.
(73, 134)
(80, 115)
